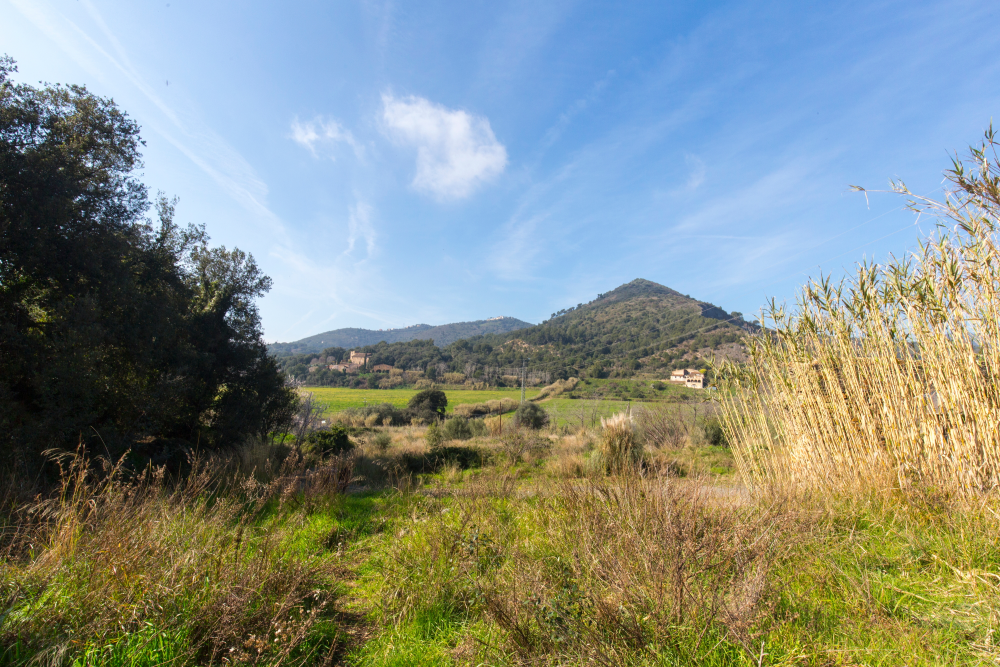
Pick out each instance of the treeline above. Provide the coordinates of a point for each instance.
(639, 328)
(118, 330)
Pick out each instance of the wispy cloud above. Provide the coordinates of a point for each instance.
(456, 151)
(319, 133)
(359, 226)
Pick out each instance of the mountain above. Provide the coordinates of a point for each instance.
(442, 335)
(639, 328)
(639, 325)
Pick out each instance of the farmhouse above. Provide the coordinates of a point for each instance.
(345, 368)
(359, 358)
(682, 374)
(695, 381)
(691, 378)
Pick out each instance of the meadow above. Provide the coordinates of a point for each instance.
(590, 401)
(335, 399)
(539, 549)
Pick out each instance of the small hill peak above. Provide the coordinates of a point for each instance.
(638, 288)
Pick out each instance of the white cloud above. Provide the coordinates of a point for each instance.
(359, 225)
(456, 151)
(318, 131)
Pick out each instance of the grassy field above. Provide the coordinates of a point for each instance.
(598, 398)
(515, 556)
(336, 399)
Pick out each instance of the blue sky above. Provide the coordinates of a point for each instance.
(395, 163)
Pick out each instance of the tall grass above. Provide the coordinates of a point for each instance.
(147, 571)
(888, 379)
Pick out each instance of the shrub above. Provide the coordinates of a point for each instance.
(662, 425)
(457, 428)
(440, 457)
(531, 415)
(383, 414)
(659, 386)
(381, 441)
(330, 442)
(454, 378)
(714, 433)
(434, 435)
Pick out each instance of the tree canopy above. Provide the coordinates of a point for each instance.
(116, 327)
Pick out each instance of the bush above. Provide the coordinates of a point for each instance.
(531, 415)
(440, 457)
(659, 386)
(434, 435)
(382, 440)
(457, 428)
(329, 442)
(714, 434)
(383, 414)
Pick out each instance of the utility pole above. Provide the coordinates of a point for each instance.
(523, 362)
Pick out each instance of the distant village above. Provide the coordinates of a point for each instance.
(355, 363)
(358, 361)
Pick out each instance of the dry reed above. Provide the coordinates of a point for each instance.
(888, 380)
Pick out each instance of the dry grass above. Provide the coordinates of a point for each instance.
(619, 449)
(189, 571)
(888, 380)
(600, 572)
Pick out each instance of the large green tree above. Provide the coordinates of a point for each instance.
(115, 328)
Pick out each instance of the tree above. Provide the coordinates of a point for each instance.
(531, 415)
(115, 328)
(429, 405)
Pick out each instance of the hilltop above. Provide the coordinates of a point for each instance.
(443, 334)
(641, 327)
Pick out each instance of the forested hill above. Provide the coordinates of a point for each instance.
(443, 334)
(640, 327)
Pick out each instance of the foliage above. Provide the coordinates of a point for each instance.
(460, 428)
(328, 442)
(381, 441)
(429, 405)
(114, 329)
(531, 415)
(434, 435)
(380, 414)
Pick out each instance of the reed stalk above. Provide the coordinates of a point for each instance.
(888, 379)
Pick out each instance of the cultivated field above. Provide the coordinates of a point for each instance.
(335, 399)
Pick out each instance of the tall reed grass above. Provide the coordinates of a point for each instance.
(888, 379)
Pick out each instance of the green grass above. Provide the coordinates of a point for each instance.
(411, 576)
(336, 399)
(600, 398)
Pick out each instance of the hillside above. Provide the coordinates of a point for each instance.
(639, 328)
(443, 334)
